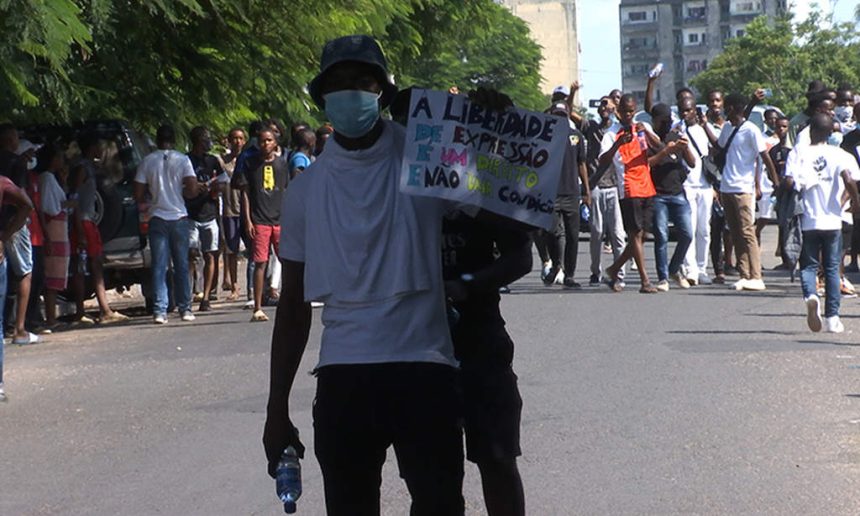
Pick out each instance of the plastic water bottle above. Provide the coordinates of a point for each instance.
(656, 71)
(288, 480)
(82, 263)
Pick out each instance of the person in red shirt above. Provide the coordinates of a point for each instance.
(632, 148)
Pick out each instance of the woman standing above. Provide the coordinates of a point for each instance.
(56, 231)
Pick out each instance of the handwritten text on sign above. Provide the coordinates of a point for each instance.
(508, 163)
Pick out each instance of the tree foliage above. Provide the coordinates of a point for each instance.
(219, 62)
(785, 57)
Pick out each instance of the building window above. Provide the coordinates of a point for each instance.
(637, 16)
(692, 38)
(696, 14)
(740, 33)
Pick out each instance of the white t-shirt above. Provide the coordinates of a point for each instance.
(695, 176)
(816, 170)
(53, 195)
(164, 172)
(739, 172)
(371, 253)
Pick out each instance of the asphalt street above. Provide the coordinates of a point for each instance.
(703, 401)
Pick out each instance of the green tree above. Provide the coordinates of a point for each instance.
(784, 57)
(220, 62)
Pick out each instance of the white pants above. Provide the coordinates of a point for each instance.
(606, 221)
(701, 202)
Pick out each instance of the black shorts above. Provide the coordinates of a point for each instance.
(492, 406)
(360, 410)
(637, 213)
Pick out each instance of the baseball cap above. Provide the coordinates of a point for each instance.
(26, 145)
(564, 90)
(356, 48)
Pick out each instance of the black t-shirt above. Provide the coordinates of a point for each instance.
(850, 143)
(469, 246)
(593, 133)
(204, 207)
(13, 167)
(569, 182)
(266, 182)
(669, 175)
(779, 154)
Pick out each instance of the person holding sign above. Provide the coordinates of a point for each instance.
(350, 238)
(628, 148)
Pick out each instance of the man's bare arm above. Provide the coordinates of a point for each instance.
(289, 338)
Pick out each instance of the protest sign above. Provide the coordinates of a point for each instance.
(505, 162)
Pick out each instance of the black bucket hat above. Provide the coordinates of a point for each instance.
(360, 49)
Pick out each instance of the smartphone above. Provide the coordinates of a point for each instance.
(594, 103)
(768, 93)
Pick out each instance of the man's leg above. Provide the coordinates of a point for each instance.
(22, 249)
(570, 218)
(595, 241)
(349, 442)
(261, 246)
(160, 250)
(832, 257)
(180, 231)
(679, 213)
(751, 250)
(614, 225)
(732, 206)
(37, 285)
(661, 237)
(552, 239)
(428, 437)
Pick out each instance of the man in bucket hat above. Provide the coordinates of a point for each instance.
(386, 374)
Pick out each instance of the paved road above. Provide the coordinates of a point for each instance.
(702, 401)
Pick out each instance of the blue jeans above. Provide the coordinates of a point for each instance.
(828, 244)
(3, 278)
(677, 209)
(168, 239)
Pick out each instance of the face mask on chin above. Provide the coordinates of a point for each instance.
(352, 113)
(843, 113)
(835, 139)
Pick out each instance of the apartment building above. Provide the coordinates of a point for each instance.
(684, 35)
(553, 26)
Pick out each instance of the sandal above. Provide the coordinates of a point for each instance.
(259, 316)
(614, 282)
(648, 289)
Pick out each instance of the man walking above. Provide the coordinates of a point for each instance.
(170, 178)
(670, 203)
(700, 195)
(822, 174)
(203, 209)
(744, 144)
(262, 182)
(605, 222)
(386, 373)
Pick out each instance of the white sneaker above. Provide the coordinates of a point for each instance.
(739, 284)
(188, 316)
(833, 325)
(160, 319)
(663, 286)
(756, 285)
(3, 396)
(680, 280)
(813, 313)
(317, 304)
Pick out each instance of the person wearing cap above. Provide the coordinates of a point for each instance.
(386, 374)
(574, 180)
(170, 178)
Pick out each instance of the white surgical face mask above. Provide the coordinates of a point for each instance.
(843, 113)
(835, 139)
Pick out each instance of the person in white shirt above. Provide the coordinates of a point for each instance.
(170, 178)
(822, 174)
(740, 186)
(700, 195)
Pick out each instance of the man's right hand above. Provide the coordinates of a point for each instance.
(278, 434)
(249, 228)
(625, 138)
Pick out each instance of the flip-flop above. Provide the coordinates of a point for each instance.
(31, 338)
(648, 289)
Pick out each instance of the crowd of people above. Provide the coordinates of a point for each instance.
(719, 180)
(414, 359)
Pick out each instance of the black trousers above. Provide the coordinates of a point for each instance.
(360, 410)
(563, 241)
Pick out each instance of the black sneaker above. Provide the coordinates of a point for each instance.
(205, 306)
(569, 283)
(594, 281)
(213, 296)
(549, 279)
